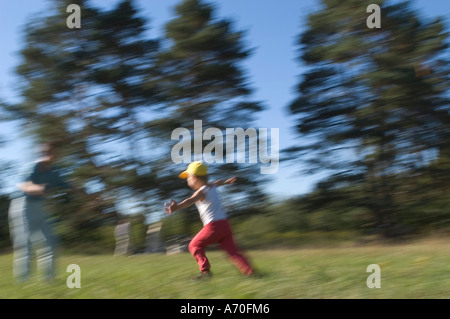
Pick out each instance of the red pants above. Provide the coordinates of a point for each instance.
(217, 232)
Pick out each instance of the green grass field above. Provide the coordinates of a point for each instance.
(414, 270)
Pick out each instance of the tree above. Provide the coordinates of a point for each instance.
(85, 86)
(200, 77)
(373, 103)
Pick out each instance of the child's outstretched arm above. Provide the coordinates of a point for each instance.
(174, 206)
(223, 182)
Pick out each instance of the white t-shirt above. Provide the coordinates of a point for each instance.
(210, 209)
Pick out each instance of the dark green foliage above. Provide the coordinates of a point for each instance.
(373, 105)
(372, 111)
(85, 87)
(113, 96)
(200, 78)
(5, 241)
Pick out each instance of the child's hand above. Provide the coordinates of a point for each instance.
(170, 208)
(230, 180)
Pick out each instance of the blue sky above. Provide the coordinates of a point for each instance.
(272, 27)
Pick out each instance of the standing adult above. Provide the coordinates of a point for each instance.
(28, 216)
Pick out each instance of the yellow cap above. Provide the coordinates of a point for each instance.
(195, 168)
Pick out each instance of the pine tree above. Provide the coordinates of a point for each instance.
(85, 87)
(373, 103)
(201, 78)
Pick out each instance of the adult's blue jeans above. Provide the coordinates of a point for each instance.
(31, 232)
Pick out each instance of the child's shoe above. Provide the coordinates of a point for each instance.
(203, 275)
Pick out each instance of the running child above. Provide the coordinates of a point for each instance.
(216, 228)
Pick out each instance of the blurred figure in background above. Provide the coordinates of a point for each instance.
(28, 217)
(122, 235)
